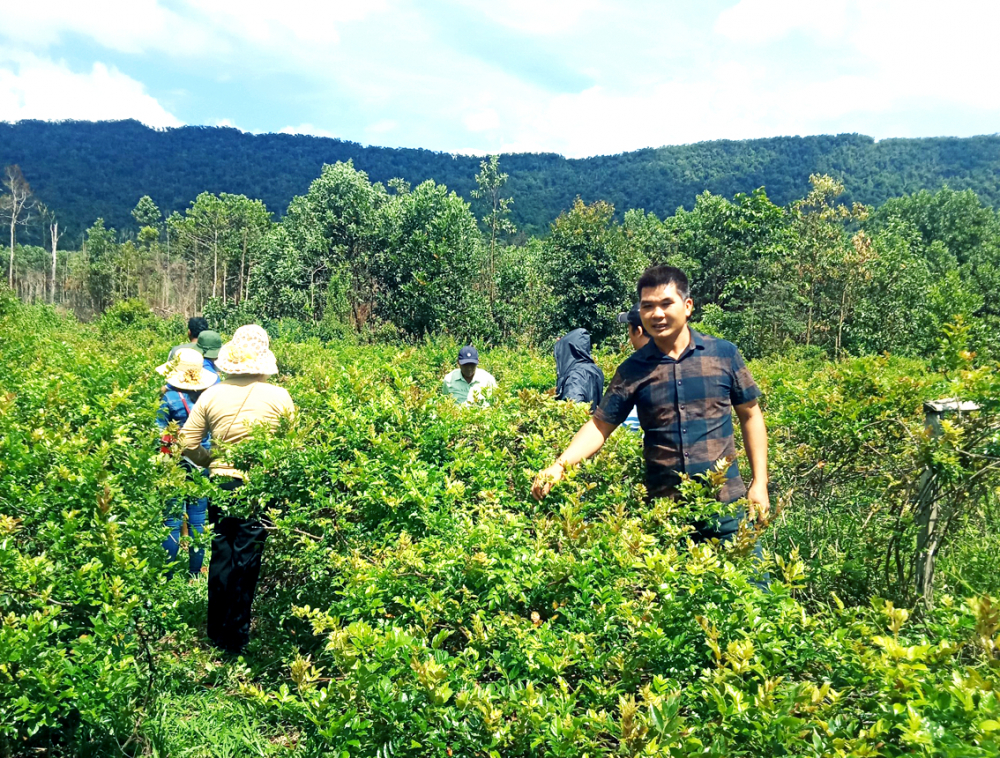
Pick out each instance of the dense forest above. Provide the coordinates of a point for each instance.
(85, 170)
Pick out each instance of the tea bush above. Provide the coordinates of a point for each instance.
(416, 601)
(80, 573)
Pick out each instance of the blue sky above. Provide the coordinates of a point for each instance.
(577, 77)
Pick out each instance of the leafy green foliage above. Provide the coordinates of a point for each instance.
(740, 253)
(430, 271)
(591, 268)
(80, 573)
(334, 232)
(490, 181)
(415, 600)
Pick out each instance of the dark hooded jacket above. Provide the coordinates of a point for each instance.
(578, 378)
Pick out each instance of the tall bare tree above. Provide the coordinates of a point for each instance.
(48, 219)
(15, 206)
(54, 236)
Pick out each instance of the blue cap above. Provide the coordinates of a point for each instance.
(468, 354)
(631, 317)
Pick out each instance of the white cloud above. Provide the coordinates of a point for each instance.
(272, 23)
(314, 131)
(883, 55)
(128, 26)
(482, 121)
(208, 29)
(383, 126)
(551, 17)
(385, 71)
(769, 20)
(37, 88)
(934, 53)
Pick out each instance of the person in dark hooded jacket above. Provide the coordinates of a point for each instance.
(578, 378)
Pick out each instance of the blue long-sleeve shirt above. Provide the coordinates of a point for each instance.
(176, 406)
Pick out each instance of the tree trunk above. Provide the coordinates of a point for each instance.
(243, 260)
(20, 199)
(10, 270)
(215, 264)
(930, 513)
(493, 248)
(928, 516)
(54, 231)
(809, 319)
(840, 326)
(493, 266)
(196, 283)
(166, 275)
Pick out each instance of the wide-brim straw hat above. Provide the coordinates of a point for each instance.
(187, 371)
(248, 352)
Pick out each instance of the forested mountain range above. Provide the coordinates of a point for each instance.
(85, 170)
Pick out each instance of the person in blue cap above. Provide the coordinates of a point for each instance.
(468, 383)
(638, 339)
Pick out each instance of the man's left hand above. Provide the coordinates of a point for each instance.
(760, 501)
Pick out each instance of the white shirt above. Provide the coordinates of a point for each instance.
(465, 392)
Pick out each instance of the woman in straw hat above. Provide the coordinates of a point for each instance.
(186, 378)
(228, 411)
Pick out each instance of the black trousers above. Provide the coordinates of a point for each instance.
(232, 575)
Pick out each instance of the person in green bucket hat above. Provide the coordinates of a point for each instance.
(209, 343)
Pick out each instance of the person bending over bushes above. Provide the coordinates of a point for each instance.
(468, 384)
(578, 378)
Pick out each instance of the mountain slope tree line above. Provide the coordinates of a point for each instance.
(91, 170)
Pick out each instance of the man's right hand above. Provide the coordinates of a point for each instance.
(545, 479)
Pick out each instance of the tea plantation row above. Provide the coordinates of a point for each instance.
(416, 601)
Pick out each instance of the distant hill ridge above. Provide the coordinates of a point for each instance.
(85, 170)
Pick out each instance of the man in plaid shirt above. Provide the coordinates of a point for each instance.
(685, 386)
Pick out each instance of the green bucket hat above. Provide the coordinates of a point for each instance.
(209, 343)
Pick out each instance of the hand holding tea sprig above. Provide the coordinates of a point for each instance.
(586, 443)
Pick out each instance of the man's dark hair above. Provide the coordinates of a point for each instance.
(196, 325)
(658, 276)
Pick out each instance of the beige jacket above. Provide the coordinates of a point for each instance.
(228, 410)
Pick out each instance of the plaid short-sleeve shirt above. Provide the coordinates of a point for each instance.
(685, 408)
